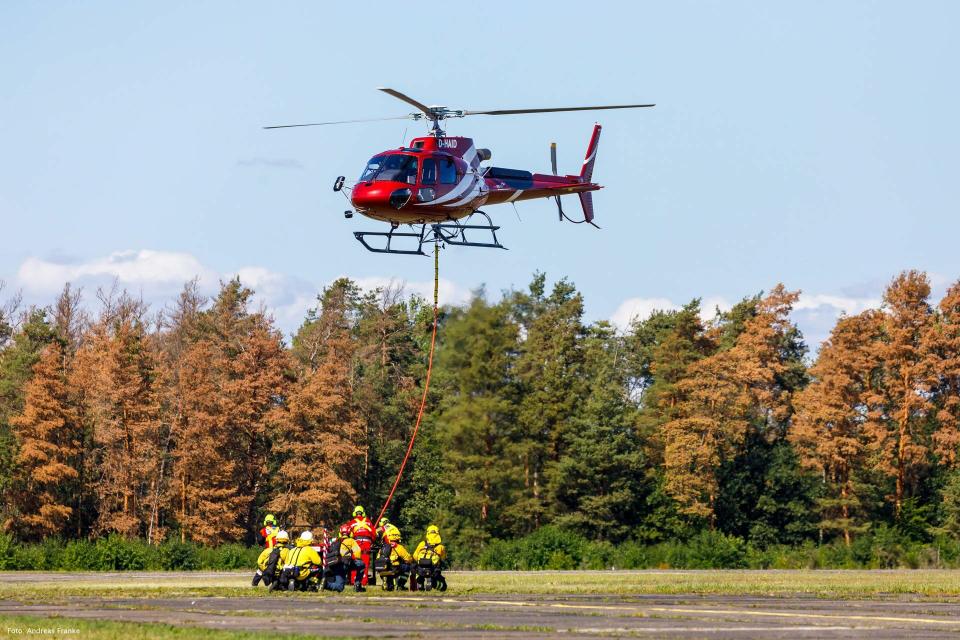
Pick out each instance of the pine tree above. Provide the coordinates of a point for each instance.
(477, 415)
(900, 441)
(319, 442)
(724, 396)
(598, 485)
(17, 359)
(943, 341)
(321, 436)
(549, 369)
(116, 374)
(233, 379)
(49, 442)
(830, 430)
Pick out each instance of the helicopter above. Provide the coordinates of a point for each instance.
(438, 184)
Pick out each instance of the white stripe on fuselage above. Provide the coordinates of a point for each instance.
(514, 196)
(462, 186)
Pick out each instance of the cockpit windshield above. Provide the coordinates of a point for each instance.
(394, 167)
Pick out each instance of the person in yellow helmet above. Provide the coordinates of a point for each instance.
(394, 561)
(429, 556)
(385, 529)
(269, 531)
(362, 531)
(303, 566)
(272, 559)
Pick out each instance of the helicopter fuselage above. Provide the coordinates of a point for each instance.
(440, 178)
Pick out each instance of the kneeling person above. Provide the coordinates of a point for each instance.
(393, 561)
(303, 565)
(429, 556)
(350, 554)
(271, 560)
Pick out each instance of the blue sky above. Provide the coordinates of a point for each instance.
(813, 143)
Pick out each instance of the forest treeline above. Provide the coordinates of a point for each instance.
(190, 422)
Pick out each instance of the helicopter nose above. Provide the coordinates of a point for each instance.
(381, 196)
(370, 196)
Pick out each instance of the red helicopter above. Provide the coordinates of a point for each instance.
(438, 181)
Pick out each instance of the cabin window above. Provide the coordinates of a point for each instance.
(373, 167)
(391, 168)
(429, 175)
(448, 171)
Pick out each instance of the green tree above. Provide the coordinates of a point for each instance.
(477, 414)
(598, 485)
(550, 370)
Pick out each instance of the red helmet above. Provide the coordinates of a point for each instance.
(345, 531)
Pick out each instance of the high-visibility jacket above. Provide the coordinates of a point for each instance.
(361, 529)
(350, 550)
(265, 555)
(269, 535)
(432, 547)
(390, 533)
(302, 557)
(399, 553)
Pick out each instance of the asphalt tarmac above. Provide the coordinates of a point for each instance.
(478, 615)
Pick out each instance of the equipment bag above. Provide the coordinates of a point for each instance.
(272, 560)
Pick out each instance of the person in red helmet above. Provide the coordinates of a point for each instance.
(361, 530)
(350, 553)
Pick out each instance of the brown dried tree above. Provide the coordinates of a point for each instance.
(50, 441)
(829, 429)
(116, 370)
(900, 441)
(721, 397)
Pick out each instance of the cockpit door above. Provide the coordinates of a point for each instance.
(428, 180)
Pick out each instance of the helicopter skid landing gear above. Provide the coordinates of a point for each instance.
(362, 236)
(455, 234)
(452, 233)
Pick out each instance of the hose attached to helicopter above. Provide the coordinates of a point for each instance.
(426, 384)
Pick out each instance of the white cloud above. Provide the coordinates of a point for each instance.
(835, 304)
(144, 267)
(815, 314)
(158, 276)
(640, 309)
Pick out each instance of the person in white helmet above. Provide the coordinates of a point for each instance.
(272, 559)
(303, 565)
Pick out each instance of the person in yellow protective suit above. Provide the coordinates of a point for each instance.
(386, 529)
(351, 554)
(303, 566)
(429, 556)
(272, 559)
(396, 560)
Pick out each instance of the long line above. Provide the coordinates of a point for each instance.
(426, 384)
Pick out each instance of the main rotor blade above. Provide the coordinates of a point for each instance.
(407, 99)
(509, 112)
(318, 124)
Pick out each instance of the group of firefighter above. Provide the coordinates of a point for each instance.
(330, 560)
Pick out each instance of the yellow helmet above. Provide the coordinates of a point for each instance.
(433, 529)
(269, 520)
(358, 511)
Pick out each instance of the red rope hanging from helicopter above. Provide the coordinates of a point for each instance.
(426, 384)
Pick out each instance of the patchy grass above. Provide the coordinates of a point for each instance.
(64, 627)
(818, 583)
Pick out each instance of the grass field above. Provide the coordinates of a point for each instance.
(818, 583)
(880, 605)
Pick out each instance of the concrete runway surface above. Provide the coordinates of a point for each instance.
(478, 615)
